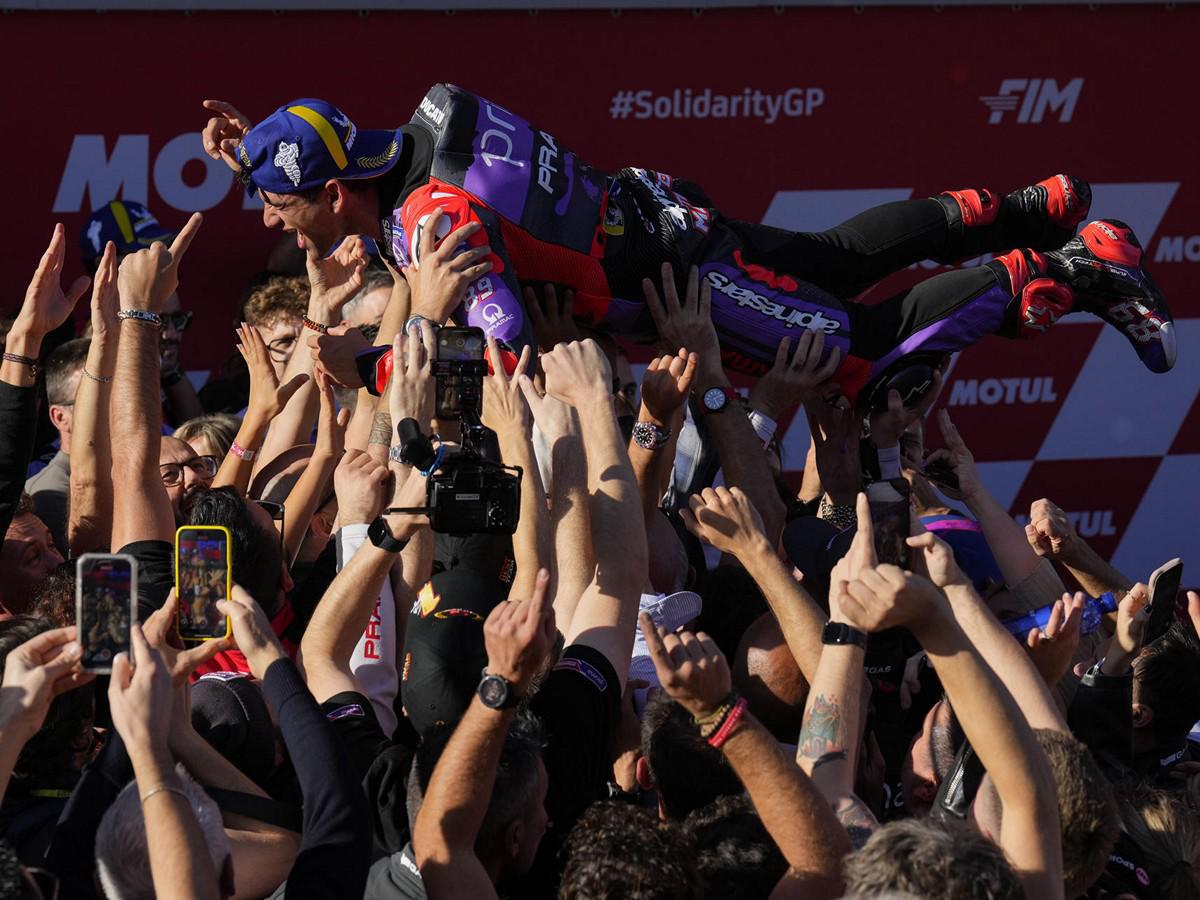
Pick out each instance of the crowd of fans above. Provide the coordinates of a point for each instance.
(710, 685)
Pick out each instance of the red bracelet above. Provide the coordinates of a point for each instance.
(314, 326)
(241, 452)
(730, 723)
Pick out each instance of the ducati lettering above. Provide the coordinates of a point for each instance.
(789, 316)
(496, 134)
(432, 113)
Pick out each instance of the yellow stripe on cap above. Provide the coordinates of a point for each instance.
(121, 214)
(322, 127)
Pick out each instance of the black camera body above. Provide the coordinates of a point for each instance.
(467, 494)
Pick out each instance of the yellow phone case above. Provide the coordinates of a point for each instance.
(228, 579)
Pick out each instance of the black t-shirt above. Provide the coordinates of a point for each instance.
(155, 575)
(381, 764)
(396, 878)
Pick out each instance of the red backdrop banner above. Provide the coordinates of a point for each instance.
(797, 117)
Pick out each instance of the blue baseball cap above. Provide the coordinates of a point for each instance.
(307, 142)
(127, 224)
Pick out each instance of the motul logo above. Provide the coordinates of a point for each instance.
(994, 391)
(1032, 99)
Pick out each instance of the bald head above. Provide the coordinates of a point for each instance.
(766, 674)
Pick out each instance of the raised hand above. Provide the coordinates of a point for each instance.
(689, 666)
(504, 408)
(267, 396)
(35, 673)
(725, 518)
(688, 324)
(553, 418)
(790, 383)
(577, 373)
(331, 421)
(1052, 648)
(438, 277)
(46, 304)
(139, 699)
(835, 430)
(148, 277)
(105, 300)
(336, 278)
(959, 457)
(934, 559)
(336, 353)
(1133, 613)
(252, 632)
(518, 635)
(886, 596)
(411, 385)
(551, 324)
(361, 484)
(666, 385)
(160, 633)
(224, 132)
(1049, 532)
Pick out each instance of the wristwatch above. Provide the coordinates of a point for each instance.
(717, 398)
(381, 536)
(839, 633)
(496, 692)
(649, 436)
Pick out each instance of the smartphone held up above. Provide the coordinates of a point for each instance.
(105, 595)
(202, 579)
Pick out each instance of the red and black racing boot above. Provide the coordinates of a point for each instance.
(1045, 215)
(1038, 300)
(1103, 268)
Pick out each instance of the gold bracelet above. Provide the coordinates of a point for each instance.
(165, 788)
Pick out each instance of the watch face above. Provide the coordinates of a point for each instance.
(715, 399)
(493, 691)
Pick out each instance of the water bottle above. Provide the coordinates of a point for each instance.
(1094, 609)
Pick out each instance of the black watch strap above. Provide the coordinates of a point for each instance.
(381, 536)
(839, 633)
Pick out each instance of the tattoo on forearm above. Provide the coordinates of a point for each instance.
(860, 823)
(822, 729)
(381, 430)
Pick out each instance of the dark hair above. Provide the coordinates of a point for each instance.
(618, 851)
(64, 363)
(516, 777)
(736, 856)
(931, 858)
(687, 772)
(1168, 681)
(55, 600)
(52, 749)
(257, 560)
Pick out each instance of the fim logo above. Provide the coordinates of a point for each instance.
(1032, 99)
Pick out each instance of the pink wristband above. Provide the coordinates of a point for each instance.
(241, 452)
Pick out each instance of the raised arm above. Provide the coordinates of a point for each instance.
(140, 701)
(885, 597)
(665, 388)
(606, 616)
(693, 671)
(725, 518)
(518, 637)
(689, 324)
(506, 413)
(1052, 536)
(332, 282)
(89, 523)
(141, 509)
(46, 307)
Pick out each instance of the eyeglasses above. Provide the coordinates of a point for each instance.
(281, 348)
(205, 467)
(177, 320)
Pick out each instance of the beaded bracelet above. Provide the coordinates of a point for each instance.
(314, 326)
(140, 315)
(710, 723)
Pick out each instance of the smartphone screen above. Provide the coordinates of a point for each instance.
(202, 579)
(1164, 588)
(458, 391)
(105, 587)
(891, 519)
